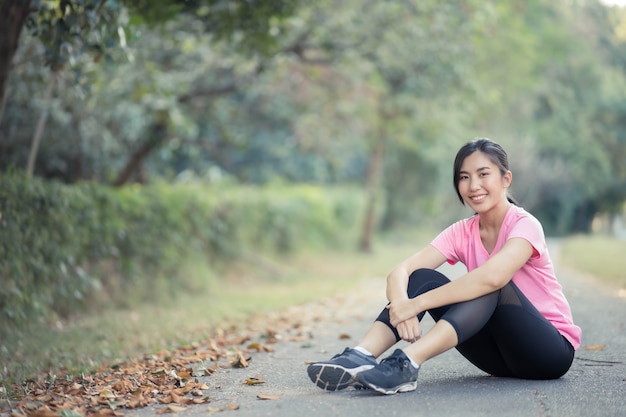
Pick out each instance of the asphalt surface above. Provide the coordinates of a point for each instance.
(448, 385)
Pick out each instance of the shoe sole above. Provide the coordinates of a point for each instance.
(334, 377)
(407, 387)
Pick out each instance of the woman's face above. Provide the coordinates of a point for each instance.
(481, 184)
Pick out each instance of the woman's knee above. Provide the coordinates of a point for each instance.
(423, 280)
(424, 273)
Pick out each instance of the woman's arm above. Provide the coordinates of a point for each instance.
(398, 278)
(489, 277)
(398, 281)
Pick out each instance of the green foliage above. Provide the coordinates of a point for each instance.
(69, 28)
(576, 112)
(38, 249)
(545, 79)
(65, 246)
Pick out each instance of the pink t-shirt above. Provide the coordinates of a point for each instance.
(536, 279)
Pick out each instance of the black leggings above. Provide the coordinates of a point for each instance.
(501, 333)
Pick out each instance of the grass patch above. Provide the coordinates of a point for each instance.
(254, 285)
(597, 255)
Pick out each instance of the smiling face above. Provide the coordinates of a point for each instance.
(481, 183)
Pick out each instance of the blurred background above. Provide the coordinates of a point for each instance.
(142, 139)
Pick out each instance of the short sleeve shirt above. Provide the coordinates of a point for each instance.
(461, 242)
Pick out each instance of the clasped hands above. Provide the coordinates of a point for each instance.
(403, 316)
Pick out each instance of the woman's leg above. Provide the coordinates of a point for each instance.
(398, 372)
(340, 371)
(518, 341)
(483, 332)
(420, 281)
(382, 335)
(378, 339)
(454, 322)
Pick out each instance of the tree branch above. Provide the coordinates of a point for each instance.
(208, 92)
(156, 137)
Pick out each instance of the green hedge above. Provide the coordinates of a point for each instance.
(60, 244)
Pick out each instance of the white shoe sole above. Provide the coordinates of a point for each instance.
(407, 387)
(334, 377)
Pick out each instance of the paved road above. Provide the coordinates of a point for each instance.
(448, 385)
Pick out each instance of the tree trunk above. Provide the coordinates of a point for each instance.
(373, 176)
(583, 217)
(3, 105)
(41, 123)
(12, 17)
(157, 138)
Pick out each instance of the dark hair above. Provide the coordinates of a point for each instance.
(495, 152)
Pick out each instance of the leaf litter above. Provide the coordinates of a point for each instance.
(170, 378)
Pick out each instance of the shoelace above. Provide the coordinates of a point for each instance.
(391, 362)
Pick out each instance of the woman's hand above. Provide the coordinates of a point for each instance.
(401, 310)
(410, 330)
(403, 316)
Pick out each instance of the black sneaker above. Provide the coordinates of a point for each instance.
(340, 371)
(392, 375)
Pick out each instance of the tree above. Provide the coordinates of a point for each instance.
(336, 88)
(407, 53)
(13, 14)
(578, 116)
(68, 28)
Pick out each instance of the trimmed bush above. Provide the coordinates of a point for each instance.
(60, 244)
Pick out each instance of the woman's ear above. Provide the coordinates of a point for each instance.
(508, 179)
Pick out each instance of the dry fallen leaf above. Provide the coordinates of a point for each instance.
(595, 347)
(236, 359)
(164, 379)
(107, 393)
(184, 375)
(254, 380)
(179, 399)
(344, 336)
(210, 370)
(105, 412)
(171, 409)
(43, 412)
(256, 346)
(268, 397)
(271, 336)
(260, 347)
